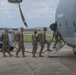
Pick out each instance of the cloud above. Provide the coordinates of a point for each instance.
(4, 5)
(40, 8)
(7, 8)
(33, 10)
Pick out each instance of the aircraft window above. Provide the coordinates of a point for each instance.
(60, 25)
(74, 23)
(66, 22)
(74, 26)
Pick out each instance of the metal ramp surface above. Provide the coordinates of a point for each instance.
(55, 50)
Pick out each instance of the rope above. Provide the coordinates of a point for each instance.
(36, 52)
(51, 40)
(31, 52)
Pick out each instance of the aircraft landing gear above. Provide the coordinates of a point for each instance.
(74, 50)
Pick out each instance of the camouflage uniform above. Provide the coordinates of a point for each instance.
(34, 43)
(57, 37)
(21, 45)
(6, 46)
(42, 42)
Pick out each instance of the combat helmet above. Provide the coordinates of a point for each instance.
(6, 29)
(44, 28)
(35, 31)
(22, 29)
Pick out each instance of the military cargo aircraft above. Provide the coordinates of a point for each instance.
(66, 22)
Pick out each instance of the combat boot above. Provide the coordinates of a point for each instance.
(34, 56)
(24, 56)
(54, 46)
(49, 50)
(10, 55)
(4, 56)
(41, 56)
(17, 56)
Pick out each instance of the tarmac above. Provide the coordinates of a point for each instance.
(61, 63)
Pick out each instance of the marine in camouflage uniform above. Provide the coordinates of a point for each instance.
(6, 46)
(57, 37)
(21, 43)
(43, 41)
(34, 43)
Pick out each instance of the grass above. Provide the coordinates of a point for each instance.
(49, 38)
(31, 32)
(27, 38)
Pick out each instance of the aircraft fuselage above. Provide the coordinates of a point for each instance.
(66, 21)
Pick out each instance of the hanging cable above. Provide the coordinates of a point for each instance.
(23, 19)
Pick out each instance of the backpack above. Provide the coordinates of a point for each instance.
(1, 37)
(17, 37)
(53, 26)
(39, 36)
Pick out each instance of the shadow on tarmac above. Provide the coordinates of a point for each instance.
(70, 56)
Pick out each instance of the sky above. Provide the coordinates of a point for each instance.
(37, 13)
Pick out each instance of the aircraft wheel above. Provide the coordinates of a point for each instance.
(74, 50)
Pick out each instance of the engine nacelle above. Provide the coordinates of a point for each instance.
(15, 1)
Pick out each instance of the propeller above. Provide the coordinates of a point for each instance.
(23, 19)
(22, 16)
